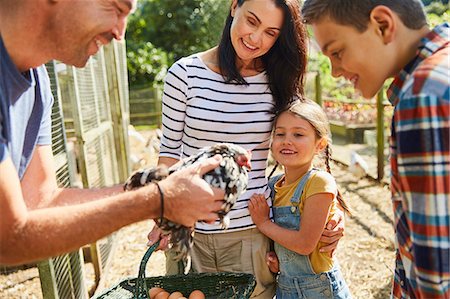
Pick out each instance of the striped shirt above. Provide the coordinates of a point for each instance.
(201, 109)
(420, 162)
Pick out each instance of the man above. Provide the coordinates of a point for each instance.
(38, 219)
(367, 42)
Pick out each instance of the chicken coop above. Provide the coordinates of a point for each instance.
(90, 145)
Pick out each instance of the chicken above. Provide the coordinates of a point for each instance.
(358, 166)
(231, 176)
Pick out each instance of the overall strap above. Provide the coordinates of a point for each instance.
(272, 183)
(295, 199)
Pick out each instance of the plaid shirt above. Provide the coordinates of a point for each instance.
(420, 165)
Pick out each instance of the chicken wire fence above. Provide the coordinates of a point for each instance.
(89, 125)
(61, 277)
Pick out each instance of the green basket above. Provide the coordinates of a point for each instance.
(222, 285)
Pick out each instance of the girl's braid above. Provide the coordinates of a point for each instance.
(327, 158)
(339, 195)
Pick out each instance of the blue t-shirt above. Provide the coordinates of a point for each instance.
(25, 111)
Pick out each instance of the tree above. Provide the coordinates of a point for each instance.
(147, 65)
(178, 28)
(185, 26)
(428, 2)
(437, 8)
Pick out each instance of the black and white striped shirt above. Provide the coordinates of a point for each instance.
(201, 109)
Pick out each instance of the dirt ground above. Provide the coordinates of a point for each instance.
(366, 253)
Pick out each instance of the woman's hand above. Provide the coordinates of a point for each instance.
(259, 209)
(154, 235)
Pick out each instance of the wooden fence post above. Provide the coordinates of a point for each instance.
(118, 93)
(48, 279)
(380, 135)
(318, 86)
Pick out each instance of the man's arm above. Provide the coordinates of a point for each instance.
(30, 235)
(40, 189)
(27, 235)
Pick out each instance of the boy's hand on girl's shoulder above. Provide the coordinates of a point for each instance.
(259, 209)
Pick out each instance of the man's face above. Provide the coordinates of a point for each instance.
(360, 57)
(85, 26)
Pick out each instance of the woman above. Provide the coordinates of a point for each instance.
(230, 93)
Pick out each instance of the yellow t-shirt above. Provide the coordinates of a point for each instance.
(319, 182)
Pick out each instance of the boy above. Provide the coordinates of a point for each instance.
(367, 42)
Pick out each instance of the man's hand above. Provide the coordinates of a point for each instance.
(189, 198)
(333, 232)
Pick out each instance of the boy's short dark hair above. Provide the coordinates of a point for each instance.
(356, 13)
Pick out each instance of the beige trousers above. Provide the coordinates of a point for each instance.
(242, 251)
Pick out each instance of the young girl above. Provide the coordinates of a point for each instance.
(304, 199)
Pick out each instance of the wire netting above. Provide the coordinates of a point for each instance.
(82, 106)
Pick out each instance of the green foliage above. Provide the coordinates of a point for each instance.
(437, 8)
(434, 19)
(337, 88)
(437, 14)
(176, 27)
(186, 26)
(146, 64)
(431, 2)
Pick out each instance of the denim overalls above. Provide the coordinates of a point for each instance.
(297, 278)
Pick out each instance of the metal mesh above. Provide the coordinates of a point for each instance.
(69, 276)
(119, 103)
(66, 270)
(122, 73)
(106, 249)
(58, 136)
(95, 125)
(101, 166)
(83, 97)
(101, 88)
(85, 86)
(62, 177)
(65, 84)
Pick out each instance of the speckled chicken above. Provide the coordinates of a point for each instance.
(231, 176)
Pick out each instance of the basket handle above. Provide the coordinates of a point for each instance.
(141, 289)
